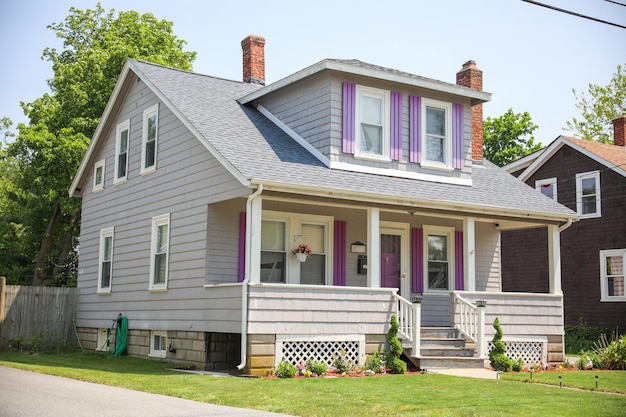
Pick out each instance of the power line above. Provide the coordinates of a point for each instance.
(536, 3)
(616, 2)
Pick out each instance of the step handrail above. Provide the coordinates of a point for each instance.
(469, 320)
(409, 319)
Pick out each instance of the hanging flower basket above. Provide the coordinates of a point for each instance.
(302, 252)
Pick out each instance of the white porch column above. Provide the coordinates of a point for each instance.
(373, 247)
(254, 239)
(554, 259)
(469, 254)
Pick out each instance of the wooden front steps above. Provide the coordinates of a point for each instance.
(444, 347)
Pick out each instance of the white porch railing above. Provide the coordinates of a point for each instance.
(409, 318)
(469, 319)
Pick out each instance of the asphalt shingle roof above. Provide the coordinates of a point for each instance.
(259, 150)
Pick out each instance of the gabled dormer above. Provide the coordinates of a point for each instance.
(360, 117)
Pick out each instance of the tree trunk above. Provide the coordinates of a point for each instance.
(40, 278)
(66, 247)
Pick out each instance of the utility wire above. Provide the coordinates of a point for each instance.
(616, 2)
(536, 3)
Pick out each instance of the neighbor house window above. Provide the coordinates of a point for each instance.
(160, 252)
(158, 343)
(98, 176)
(273, 251)
(105, 265)
(612, 275)
(588, 194)
(438, 263)
(436, 133)
(149, 139)
(547, 187)
(372, 123)
(121, 151)
(313, 271)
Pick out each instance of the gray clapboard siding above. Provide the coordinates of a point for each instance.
(488, 266)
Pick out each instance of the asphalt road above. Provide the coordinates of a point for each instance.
(29, 394)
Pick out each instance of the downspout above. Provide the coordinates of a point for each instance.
(566, 225)
(246, 279)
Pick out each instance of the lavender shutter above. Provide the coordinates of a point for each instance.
(415, 126)
(396, 126)
(349, 103)
(459, 282)
(339, 253)
(242, 246)
(457, 136)
(417, 259)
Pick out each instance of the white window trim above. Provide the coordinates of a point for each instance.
(449, 233)
(105, 233)
(125, 125)
(447, 164)
(156, 222)
(547, 181)
(604, 290)
(386, 138)
(149, 112)
(293, 222)
(579, 194)
(98, 186)
(158, 353)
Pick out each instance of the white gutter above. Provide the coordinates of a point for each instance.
(246, 279)
(566, 225)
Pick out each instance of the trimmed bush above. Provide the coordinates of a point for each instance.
(395, 365)
(497, 356)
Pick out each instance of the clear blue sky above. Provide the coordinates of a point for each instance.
(532, 57)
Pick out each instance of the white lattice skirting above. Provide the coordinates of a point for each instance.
(294, 351)
(531, 351)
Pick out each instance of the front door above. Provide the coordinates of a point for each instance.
(394, 257)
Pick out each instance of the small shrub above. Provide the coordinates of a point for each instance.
(286, 370)
(518, 365)
(317, 367)
(341, 362)
(581, 338)
(497, 356)
(611, 353)
(395, 365)
(375, 363)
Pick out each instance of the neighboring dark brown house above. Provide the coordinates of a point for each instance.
(589, 178)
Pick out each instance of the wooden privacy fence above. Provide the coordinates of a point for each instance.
(37, 316)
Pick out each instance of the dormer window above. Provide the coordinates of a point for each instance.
(372, 127)
(437, 133)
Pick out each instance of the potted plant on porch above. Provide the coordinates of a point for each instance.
(302, 252)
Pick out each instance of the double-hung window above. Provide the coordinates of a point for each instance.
(436, 133)
(372, 123)
(612, 275)
(149, 139)
(105, 264)
(313, 271)
(98, 176)
(439, 263)
(547, 187)
(273, 252)
(121, 151)
(588, 194)
(159, 256)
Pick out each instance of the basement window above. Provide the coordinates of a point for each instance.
(158, 344)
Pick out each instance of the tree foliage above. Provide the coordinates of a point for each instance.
(508, 137)
(599, 109)
(39, 222)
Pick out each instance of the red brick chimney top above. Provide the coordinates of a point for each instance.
(253, 48)
(619, 131)
(470, 76)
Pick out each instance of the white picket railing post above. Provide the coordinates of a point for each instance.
(481, 343)
(416, 330)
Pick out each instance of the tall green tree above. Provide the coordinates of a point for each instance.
(42, 160)
(509, 137)
(599, 108)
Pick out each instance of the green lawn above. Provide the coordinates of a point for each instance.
(401, 395)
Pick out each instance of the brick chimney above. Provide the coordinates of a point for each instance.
(470, 76)
(253, 59)
(619, 131)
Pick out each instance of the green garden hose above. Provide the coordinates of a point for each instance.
(121, 337)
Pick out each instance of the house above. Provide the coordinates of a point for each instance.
(590, 178)
(195, 191)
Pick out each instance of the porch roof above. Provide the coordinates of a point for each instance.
(256, 151)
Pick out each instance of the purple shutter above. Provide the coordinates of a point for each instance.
(242, 246)
(339, 253)
(459, 268)
(415, 126)
(417, 259)
(349, 103)
(458, 156)
(396, 126)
